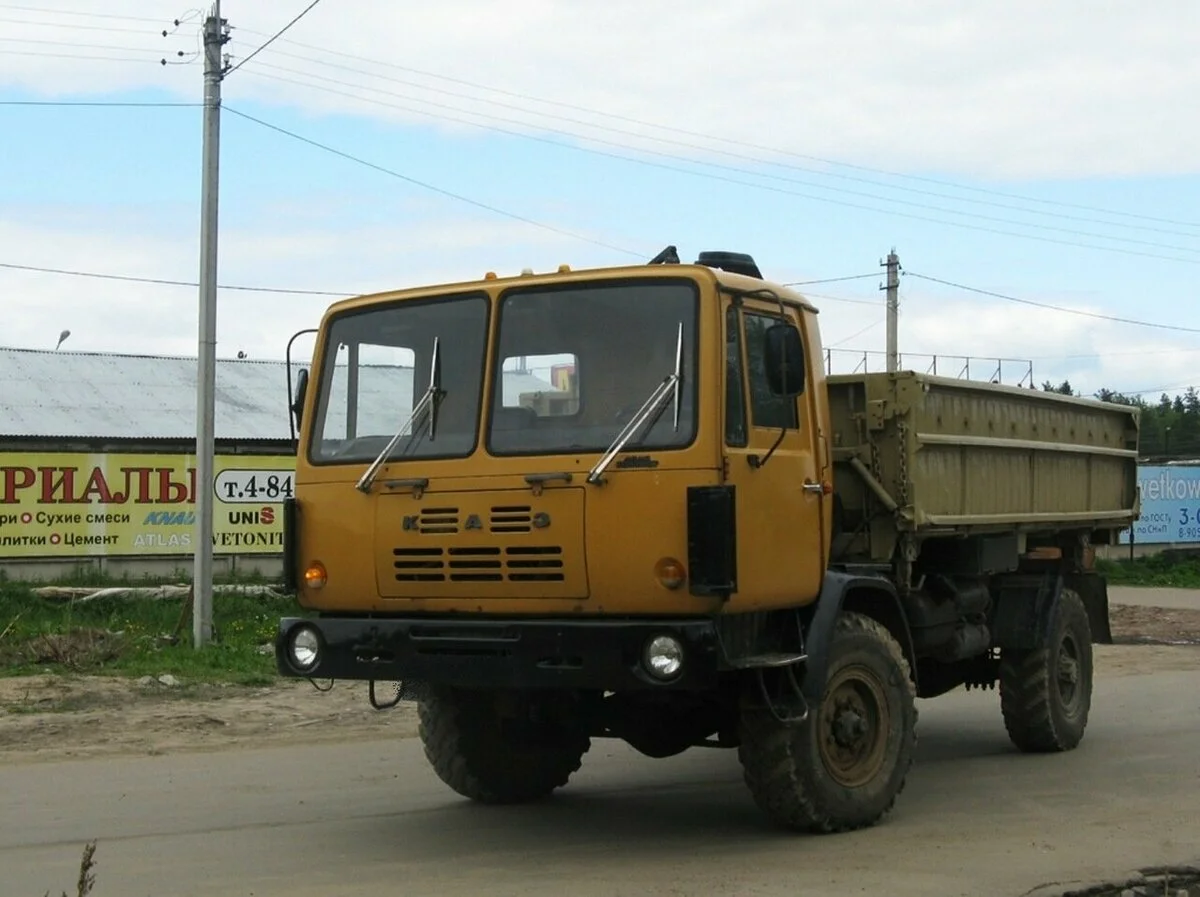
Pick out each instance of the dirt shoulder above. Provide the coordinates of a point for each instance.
(1135, 624)
(49, 717)
(52, 717)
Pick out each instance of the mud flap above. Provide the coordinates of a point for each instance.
(1093, 590)
(1025, 604)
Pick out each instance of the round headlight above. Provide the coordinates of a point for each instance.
(664, 657)
(305, 648)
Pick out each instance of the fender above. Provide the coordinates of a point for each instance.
(872, 596)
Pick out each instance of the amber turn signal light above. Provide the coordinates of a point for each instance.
(670, 573)
(315, 576)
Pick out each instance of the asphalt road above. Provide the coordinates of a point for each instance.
(370, 818)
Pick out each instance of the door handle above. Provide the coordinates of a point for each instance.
(817, 488)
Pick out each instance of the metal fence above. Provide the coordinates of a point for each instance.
(1012, 371)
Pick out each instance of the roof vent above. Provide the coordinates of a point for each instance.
(733, 262)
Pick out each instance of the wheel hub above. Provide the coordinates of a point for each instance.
(1068, 675)
(853, 726)
(849, 726)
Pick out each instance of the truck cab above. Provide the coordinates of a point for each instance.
(647, 488)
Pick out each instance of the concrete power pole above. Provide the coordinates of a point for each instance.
(215, 36)
(893, 311)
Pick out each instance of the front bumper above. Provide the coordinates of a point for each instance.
(503, 652)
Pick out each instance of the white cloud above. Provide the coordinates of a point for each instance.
(1000, 88)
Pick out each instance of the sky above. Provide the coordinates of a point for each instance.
(1048, 153)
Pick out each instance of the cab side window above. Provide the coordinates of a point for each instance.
(766, 408)
(735, 393)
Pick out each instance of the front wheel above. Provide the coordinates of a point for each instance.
(843, 768)
(1046, 694)
(497, 757)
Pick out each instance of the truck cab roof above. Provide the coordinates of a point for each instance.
(728, 281)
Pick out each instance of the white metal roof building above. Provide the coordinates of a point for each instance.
(90, 397)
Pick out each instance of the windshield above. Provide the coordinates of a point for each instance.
(578, 363)
(376, 368)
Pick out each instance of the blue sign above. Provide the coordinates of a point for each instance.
(1170, 505)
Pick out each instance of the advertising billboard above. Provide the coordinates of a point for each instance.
(76, 505)
(1170, 505)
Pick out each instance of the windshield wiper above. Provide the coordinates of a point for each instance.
(429, 401)
(649, 411)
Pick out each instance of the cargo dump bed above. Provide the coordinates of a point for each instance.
(932, 456)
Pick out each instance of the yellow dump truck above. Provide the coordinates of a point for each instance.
(707, 541)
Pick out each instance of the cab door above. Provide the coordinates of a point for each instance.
(772, 461)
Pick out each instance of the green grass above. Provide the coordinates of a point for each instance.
(1169, 569)
(138, 637)
(88, 576)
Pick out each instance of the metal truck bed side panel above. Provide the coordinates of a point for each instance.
(967, 456)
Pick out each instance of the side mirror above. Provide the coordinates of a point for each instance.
(297, 408)
(784, 356)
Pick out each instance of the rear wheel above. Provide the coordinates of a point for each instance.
(844, 767)
(1046, 694)
(497, 757)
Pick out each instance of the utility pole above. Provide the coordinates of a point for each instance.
(215, 36)
(893, 311)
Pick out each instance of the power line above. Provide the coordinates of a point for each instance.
(854, 335)
(740, 182)
(98, 103)
(274, 36)
(1070, 311)
(74, 44)
(870, 302)
(758, 147)
(166, 282)
(431, 187)
(1090, 355)
(76, 56)
(1143, 392)
(800, 283)
(1068, 357)
(88, 26)
(67, 12)
(107, 48)
(693, 146)
(129, 278)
